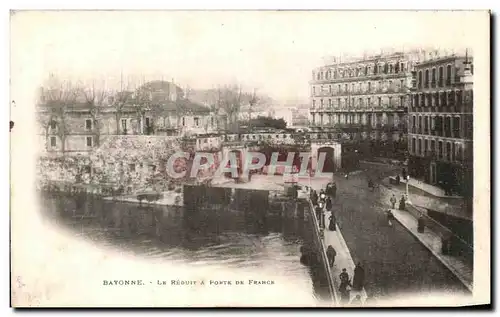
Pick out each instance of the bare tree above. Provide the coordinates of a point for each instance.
(94, 100)
(229, 99)
(60, 97)
(122, 97)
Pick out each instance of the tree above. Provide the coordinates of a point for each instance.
(265, 122)
(122, 97)
(95, 100)
(229, 100)
(60, 97)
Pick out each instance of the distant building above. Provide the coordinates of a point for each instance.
(76, 126)
(440, 136)
(364, 101)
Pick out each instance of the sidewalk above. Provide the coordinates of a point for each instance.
(433, 242)
(421, 199)
(342, 260)
(458, 265)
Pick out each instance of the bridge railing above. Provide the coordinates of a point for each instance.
(324, 258)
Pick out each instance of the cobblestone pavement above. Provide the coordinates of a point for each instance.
(394, 260)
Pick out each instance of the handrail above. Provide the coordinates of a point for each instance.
(333, 291)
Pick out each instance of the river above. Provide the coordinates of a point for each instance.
(230, 239)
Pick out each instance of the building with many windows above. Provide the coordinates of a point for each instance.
(76, 121)
(441, 123)
(364, 100)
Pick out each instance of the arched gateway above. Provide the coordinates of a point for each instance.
(333, 152)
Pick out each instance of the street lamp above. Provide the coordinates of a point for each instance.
(407, 189)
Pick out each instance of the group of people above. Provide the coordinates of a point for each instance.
(324, 202)
(346, 285)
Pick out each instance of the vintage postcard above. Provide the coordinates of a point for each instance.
(250, 158)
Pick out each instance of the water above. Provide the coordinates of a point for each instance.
(219, 238)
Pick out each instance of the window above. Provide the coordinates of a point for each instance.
(53, 125)
(183, 122)
(426, 125)
(368, 102)
(148, 122)
(426, 146)
(429, 100)
(402, 84)
(433, 78)
(380, 101)
(448, 75)
(391, 68)
(419, 82)
(369, 86)
(401, 101)
(440, 149)
(458, 151)
(53, 141)
(124, 124)
(433, 146)
(88, 124)
(196, 121)
(346, 88)
(360, 87)
(456, 127)
(329, 102)
(89, 141)
(314, 103)
(413, 146)
(401, 67)
(390, 101)
(440, 76)
(448, 151)
(436, 99)
(330, 88)
(426, 79)
(360, 103)
(420, 148)
(339, 88)
(314, 91)
(212, 121)
(321, 101)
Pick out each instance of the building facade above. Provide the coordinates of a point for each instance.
(364, 100)
(77, 125)
(440, 135)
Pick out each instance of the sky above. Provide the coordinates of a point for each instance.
(273, 52)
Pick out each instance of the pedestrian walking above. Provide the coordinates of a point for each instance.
(402, 203)
(393, 201)
(334, 190)
(331, 253)
(333, 221)
(390, 217)
(344, 277)
(345, 294)
(329, 204)
(359, 278)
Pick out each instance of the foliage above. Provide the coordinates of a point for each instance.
(265, 122)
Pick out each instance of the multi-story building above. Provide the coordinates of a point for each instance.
(364, 100)
(76, 122)
(441, 123)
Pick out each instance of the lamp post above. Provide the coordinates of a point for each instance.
(407, 189)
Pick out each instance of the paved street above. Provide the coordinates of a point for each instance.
(394, 260)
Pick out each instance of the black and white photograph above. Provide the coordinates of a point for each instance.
(333, 159)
